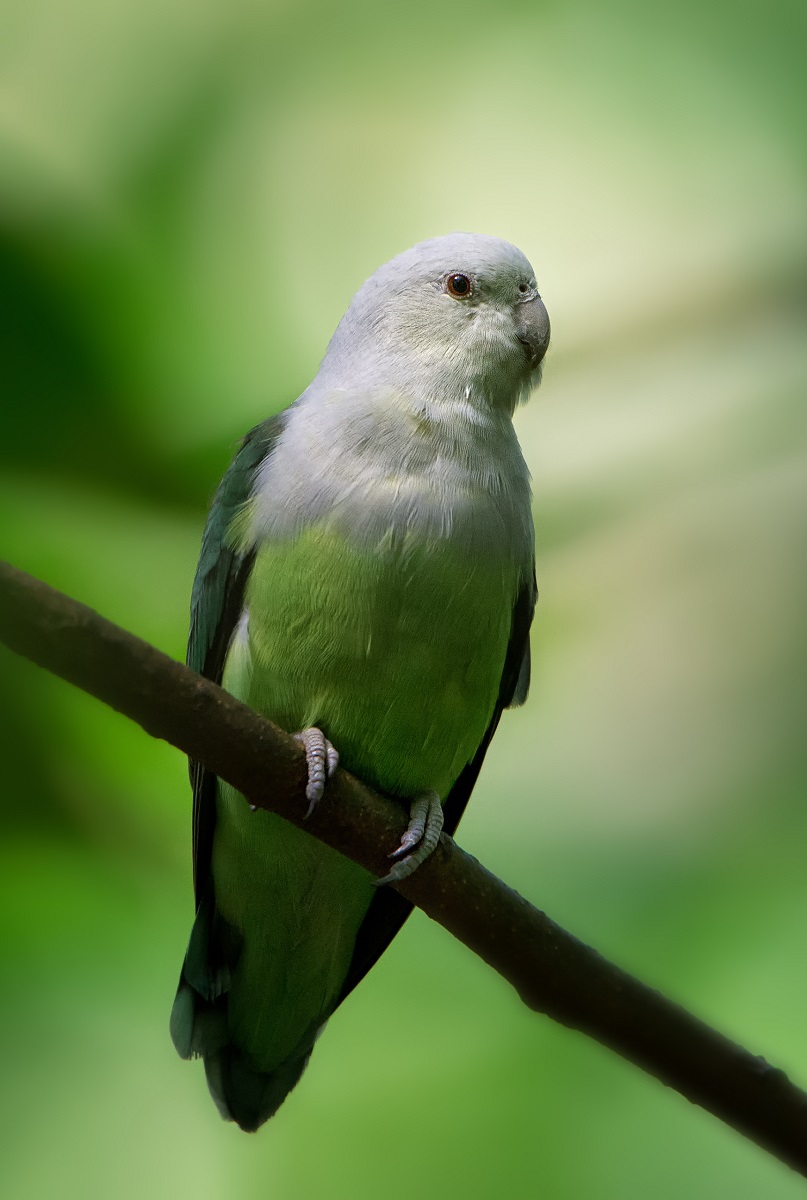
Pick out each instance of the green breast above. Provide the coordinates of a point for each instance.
(395, 652)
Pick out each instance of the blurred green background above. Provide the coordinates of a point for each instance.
(189, 195)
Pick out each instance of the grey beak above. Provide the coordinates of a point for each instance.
(532, 329)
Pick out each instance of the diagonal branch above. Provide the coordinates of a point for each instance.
(551, 970)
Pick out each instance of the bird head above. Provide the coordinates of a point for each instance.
(456, 316)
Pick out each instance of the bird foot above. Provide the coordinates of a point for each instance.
(419, 840)
(322, 759)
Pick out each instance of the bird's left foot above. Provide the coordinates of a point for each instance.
(419, 840)
(322, 759)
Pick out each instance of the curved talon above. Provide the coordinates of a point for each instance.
(418, 816)
(322, 759)
(421, 837)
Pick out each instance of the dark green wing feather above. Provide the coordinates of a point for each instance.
(389, 909)
(199, 1018)
(216, 604)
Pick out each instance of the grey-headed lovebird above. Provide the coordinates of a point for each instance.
(367, 582)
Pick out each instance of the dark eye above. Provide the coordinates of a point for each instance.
(523, 287)
(458, 285)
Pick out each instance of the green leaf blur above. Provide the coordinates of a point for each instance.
(189, 196)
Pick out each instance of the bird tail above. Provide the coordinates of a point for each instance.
(242, 1091)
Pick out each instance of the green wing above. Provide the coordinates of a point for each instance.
(216, 604)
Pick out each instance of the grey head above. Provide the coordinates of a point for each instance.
(453, 317)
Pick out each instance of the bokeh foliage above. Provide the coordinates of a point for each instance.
(189, 195)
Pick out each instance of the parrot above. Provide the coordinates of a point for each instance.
(367, 582)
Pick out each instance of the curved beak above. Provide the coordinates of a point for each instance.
(532, 329)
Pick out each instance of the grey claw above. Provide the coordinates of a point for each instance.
(418, 816)
(322, 760)
(409, 839)
(423, 833)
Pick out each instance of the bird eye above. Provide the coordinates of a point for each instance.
(459, 285)
(523, 287)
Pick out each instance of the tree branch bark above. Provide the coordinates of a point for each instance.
(552, 971)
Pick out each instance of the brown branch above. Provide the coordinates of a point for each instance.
(551, 970)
